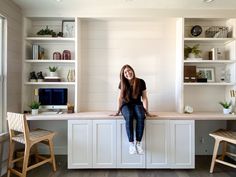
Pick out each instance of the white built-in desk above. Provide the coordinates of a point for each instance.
(97, 140)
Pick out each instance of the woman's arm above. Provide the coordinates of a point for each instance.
(119, 103)
(145, 104)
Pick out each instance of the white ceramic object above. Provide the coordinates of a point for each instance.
(34, 112)
(226, 111)
(53, 74)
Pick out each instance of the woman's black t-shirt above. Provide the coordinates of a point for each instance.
(142, 87)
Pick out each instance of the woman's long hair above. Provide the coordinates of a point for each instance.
(125, 84)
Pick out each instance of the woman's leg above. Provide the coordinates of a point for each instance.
(127, 112)
(140, 117)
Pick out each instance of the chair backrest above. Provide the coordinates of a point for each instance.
(17, 122)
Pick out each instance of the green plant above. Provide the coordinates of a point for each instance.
(34, 105)
(195, 50)
(52, 69)
(225, 104)
(46, 31)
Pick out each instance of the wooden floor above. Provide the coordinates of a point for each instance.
(201, 170)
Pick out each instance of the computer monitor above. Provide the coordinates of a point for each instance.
(53, 98)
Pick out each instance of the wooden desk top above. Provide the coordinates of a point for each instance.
(160, 116)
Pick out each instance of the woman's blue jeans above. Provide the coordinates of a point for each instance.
(131, 112)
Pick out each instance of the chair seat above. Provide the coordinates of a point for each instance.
(225, 135)
(33, 135)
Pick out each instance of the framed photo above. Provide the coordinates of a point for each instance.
(68, 28)
(208, 73)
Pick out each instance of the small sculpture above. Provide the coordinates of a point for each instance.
(40, 76)
(33, 77)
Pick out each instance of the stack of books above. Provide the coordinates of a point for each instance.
(37, 52)
(52, 79)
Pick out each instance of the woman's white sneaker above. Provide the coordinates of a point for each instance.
(132, 149)
(139, 148)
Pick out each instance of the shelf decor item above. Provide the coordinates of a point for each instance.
(217, 32)
(196, 30)
(53, 70)
(34, 107)
(68, 28)
(208, 73)
(226, 106)
(46, 32)
(66, 55)
(192, 52)
(56, 56)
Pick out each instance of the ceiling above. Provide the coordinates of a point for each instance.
(56, 6)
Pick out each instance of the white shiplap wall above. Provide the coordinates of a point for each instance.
(14, 53)
(147, 45)
(12, 13)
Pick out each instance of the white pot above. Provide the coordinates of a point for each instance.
(53, 74)
(34, 111)
(191, 55)
(226, 111)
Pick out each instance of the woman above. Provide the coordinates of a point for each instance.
(130, 104)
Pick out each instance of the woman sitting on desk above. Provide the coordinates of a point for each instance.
(132, 89)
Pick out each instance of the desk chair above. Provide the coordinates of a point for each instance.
(19, 132)
(225, 137)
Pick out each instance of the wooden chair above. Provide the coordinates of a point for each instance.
(19, 132)
(225, 137)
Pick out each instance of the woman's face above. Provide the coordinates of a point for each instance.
(128, 73)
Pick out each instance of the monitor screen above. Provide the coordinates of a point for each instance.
(53, 98)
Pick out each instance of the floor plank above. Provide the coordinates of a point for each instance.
(201, 170)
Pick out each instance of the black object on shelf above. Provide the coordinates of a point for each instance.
(196, 30)
(201, 79)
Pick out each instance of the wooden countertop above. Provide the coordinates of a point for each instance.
(160, 116)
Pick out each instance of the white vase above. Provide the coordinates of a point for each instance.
(53, 74)
(191, 55)
(34, 112)
(226, 111)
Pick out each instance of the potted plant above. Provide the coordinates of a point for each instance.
(53, 71)
(34, 107)
(226, 106)
(192, 52)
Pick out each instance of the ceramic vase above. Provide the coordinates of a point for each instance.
(226, 111)
(34, 112)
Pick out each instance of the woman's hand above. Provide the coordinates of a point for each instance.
(115, 114)
(151, 115)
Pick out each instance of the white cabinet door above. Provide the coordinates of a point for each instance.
(157, 143)
(79, 144)
(182, 143)
(124, 159)
(104, 143)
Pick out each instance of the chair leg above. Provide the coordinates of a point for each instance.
(11, 153)
(35, 152)
(224, 150)
(217, 142)
(51, 148)
(26, 160)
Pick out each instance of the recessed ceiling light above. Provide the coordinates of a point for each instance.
(58, 0)
(208, 1)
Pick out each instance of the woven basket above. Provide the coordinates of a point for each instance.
(217, 32)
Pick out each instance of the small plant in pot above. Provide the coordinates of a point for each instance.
(192, 52)
(34, 107)
(226, 106)
(53, 70)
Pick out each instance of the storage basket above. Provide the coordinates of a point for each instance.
(217, 32)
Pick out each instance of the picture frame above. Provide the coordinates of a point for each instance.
(68, 28)
(208, 73)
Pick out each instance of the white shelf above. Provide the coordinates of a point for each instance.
(209, 40)
(49, 61)
(208, 84)
(211, 61)
(50, 39)
(49, 83)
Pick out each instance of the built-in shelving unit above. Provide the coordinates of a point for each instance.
(205, 96)
(49, 45)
